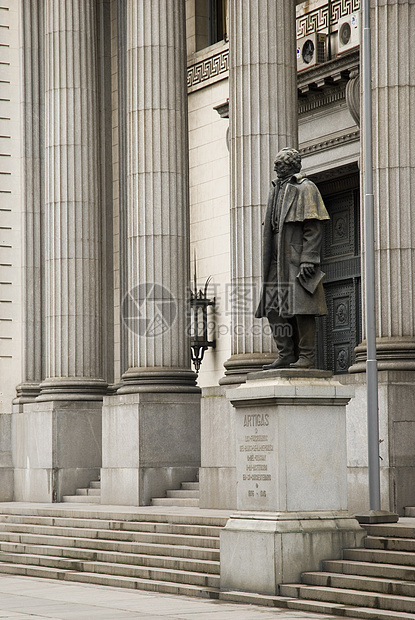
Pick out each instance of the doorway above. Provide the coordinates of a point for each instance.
(341, 331)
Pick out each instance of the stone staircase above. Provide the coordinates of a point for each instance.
(187, 495)
(377, 581)
(176, 550)
(172, 553)
(89, 495)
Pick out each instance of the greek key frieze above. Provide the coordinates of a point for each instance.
(207, 69)
(318, 19)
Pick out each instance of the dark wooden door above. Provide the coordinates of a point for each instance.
(340, 332)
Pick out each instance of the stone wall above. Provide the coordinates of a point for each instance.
(209, 212)
(10, 235)
(10, 207)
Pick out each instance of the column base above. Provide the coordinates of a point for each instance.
(391, 353)
(261, 551)
(151, 443)
(72, 389)
(238, 366)
(26, 392)
(56, 449)
(158, 380)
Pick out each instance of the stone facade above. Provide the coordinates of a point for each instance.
(116, 184)
(11, 246)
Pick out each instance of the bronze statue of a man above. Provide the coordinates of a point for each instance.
(292, 293)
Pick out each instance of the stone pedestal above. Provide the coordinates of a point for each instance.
(291, 469)
(260, 551)
(56, 449)
(151, 442)
(217, 474)
(6, 463)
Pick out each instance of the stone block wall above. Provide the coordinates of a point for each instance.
(209, 216)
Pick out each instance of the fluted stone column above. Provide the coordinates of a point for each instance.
(74, 366)
(393, 92)
(158, 207)
(393, 127)
(151, 428)
(32, 36)
(263, 119)
(57, 439)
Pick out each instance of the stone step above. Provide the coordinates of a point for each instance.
(194, 529)
(410, 511)
(106, 556)
(370, 569)
(359, 582)
(322, 607)
(129, 536)
(374, 555)
(390, 544)
(350, 597)
(187, 495)
(106, 514)
(93, 545)
(183, 493)
(191, 486)
(151, 585)
(153, 550)
(94, 489)
(347, 611)
(393, 530)
(174, 501)
(175, 575)
(88, 491)
(81, 499)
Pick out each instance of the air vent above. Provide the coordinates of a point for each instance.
(311, 50)
(348, 32)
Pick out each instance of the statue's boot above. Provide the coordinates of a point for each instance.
(280, 362)
(306, 325)
(303, 362)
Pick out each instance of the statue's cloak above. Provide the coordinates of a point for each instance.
(298, 241)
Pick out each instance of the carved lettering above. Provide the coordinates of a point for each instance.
(256, 448)
(257, 443)
(258, 419)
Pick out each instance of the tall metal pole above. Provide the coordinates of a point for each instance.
(371, 363)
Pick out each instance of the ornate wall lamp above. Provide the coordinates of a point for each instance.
(199, 339)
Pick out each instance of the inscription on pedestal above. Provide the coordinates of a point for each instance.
(256, 461)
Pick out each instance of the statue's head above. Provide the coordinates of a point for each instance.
(287, 161)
